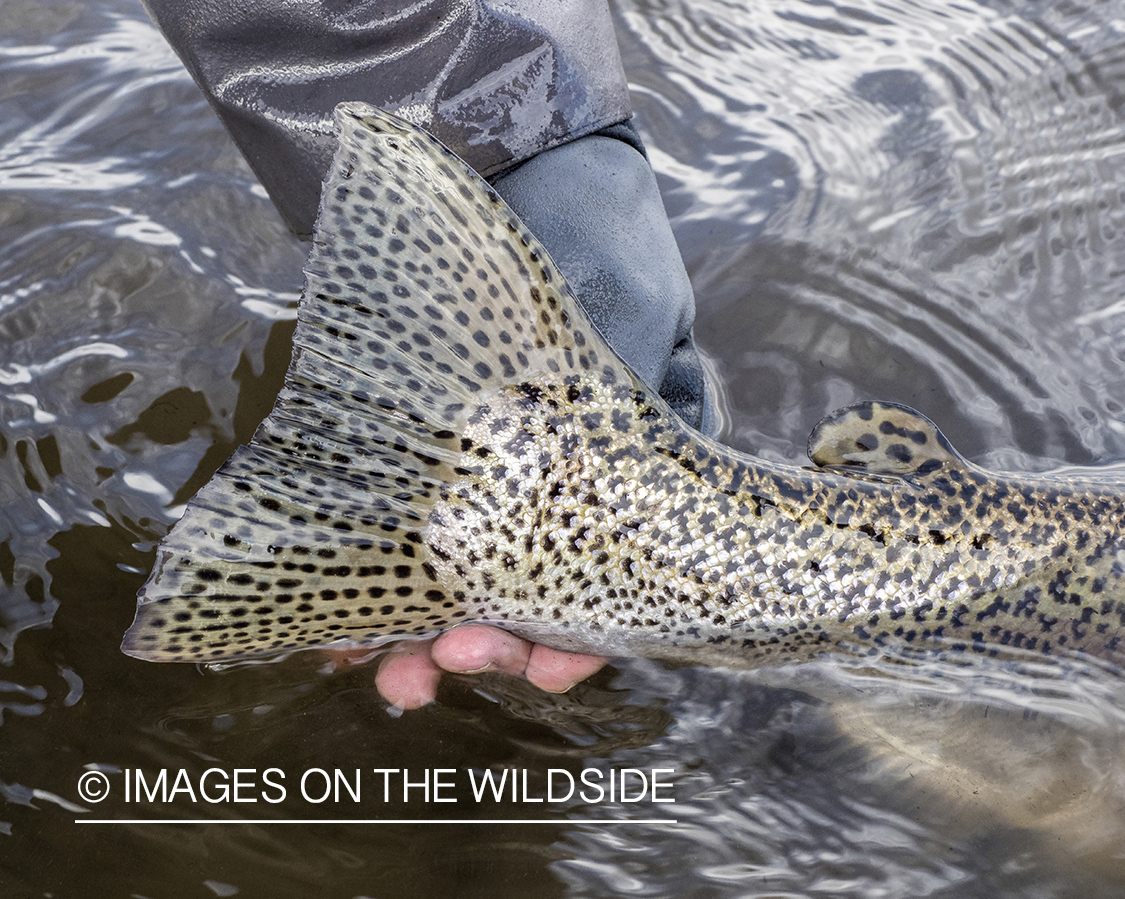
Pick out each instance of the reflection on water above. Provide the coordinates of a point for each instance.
(932, 210)
(911, 201)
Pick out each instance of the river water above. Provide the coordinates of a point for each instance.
(912, 201)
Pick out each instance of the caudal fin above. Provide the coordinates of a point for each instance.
(424, 296)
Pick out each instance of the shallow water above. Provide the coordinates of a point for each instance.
(911, 201)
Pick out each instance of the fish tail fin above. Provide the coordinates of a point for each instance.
(425, 295)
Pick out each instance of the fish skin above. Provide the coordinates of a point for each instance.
(456, 443)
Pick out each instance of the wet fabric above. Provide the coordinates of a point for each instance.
(497, 82)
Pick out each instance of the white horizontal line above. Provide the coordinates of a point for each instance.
(373, 821)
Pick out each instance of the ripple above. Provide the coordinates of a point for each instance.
(930, 213)
(114, 180)
(902, 777)
(915, 200)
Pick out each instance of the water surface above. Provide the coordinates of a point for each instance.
(912, 201)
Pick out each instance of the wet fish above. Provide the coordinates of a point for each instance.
(455, 442)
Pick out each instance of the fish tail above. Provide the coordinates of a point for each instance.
(425, 296)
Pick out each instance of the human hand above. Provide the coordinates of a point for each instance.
(408, 675)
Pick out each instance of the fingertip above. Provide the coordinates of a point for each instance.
(473, 648)
(407, 677)
(556, 671)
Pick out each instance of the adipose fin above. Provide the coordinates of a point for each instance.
(882, 439)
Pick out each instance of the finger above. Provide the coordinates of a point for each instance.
(556, 671)
(351, 656)
(407, 677)
(474, 648)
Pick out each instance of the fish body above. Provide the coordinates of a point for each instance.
(456, 443)
(643, 538)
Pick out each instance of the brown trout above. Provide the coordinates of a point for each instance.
(455, 442)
